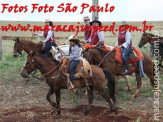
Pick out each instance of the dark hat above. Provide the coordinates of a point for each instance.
(74, 40)
(91, 23)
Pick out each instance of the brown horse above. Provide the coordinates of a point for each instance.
(97, 54)
(151, 39)
(57, 81)
(24, 45)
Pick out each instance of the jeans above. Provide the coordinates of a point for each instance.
(48, 47)
(73, 66)
(125, 53)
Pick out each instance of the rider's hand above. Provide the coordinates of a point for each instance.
(35, 34)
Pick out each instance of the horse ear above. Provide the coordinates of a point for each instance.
(16, 40)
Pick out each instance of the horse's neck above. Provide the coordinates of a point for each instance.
(28, 46)
(45, 65)
(155, 39)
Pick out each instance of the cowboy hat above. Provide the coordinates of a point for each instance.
(124, 23)
(47, 20)
(86, 18)
(74, 40)
(91, 23)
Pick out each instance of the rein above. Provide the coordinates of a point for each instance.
(43, 75)
(104, 57)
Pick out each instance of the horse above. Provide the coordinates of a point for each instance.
(57, 81)
(25, 45)
(98, 54)
(151, 39)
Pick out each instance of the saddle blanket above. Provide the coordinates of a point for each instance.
(138, 55)
(83, 69)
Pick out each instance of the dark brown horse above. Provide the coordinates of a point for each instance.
(97, 54)
(154, 41)
(24, 45)
(57, 81)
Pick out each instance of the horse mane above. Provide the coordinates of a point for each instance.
(101, 50)
(160, 37)
(49, 59)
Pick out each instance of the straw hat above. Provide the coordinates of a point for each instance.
(47, 20)
(86, 18)
(124, 23)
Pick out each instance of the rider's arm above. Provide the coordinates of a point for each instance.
(128, 39)
(116, 43)
(101, 38)
(41, 35)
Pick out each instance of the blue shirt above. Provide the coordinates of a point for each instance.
(75, 53)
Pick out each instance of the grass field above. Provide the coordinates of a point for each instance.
(15, 94)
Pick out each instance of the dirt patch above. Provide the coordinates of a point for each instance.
(97, 114)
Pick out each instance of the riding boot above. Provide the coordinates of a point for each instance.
(126, 71)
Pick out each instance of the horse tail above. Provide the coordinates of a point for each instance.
(111, 83)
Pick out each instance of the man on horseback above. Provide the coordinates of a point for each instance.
(125, 43)
(48, 34)
(97, 37)
(74, 58)
(87, 31)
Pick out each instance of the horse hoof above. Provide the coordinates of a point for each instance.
(58, 112)
(129, 90)
(86, 112)
(134, 96)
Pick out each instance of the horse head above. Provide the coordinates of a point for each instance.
(143, 40)
(30, 65)
(17, 48)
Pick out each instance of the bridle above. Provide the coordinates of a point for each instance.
(19, 46)
(35, 67)
(143, 45)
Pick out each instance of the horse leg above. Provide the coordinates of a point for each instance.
(106, 96)
(90, 99)
(139, 83)
(128, 83)
(58, 99)
(50, 92)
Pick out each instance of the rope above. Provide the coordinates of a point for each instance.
(104, 57)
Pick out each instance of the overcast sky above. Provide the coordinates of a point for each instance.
(129, 10)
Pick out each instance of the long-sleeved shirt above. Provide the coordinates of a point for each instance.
(75, 53)
(50, 34)
(128, 39)
(100, 36)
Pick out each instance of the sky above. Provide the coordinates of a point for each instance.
(128, 10)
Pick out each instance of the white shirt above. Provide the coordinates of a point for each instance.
(50, 34)
(128, 39)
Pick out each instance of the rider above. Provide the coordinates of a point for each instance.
(87, 32)
(125, 43)
(97, 37)
(48, 34)
(74, 57)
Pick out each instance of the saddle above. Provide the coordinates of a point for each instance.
(134, 56)
(106, 48)
(83, 69)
